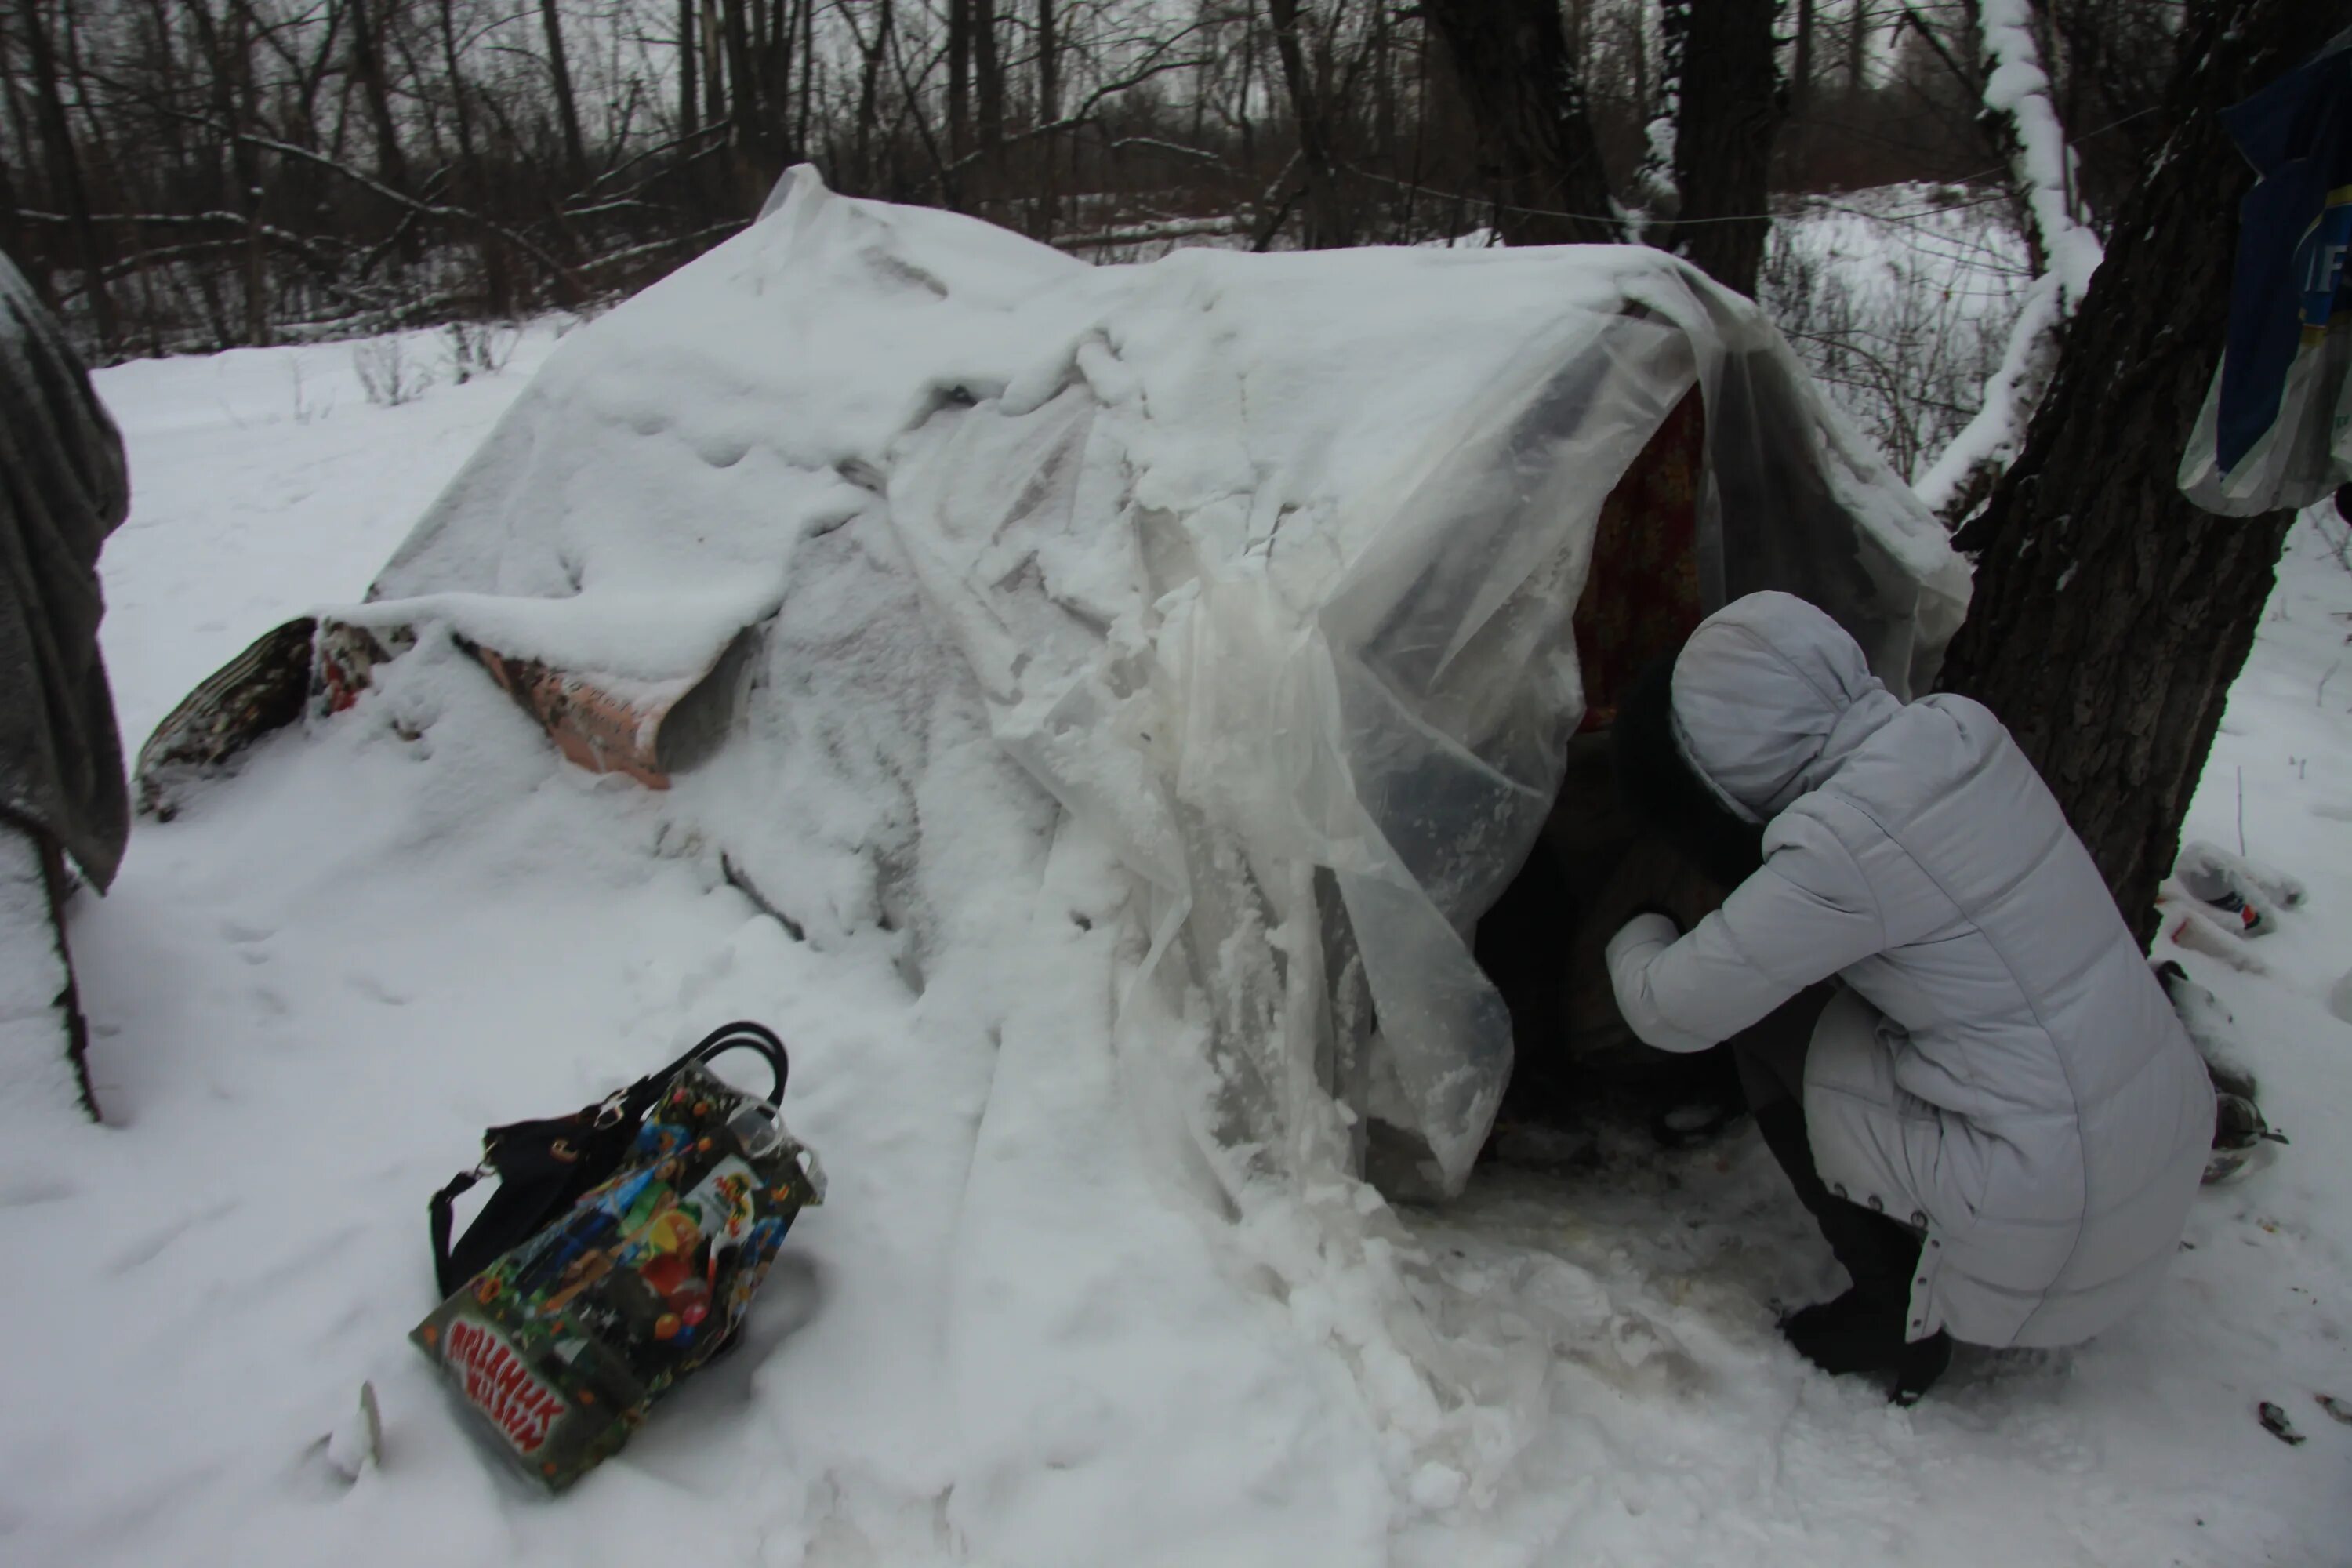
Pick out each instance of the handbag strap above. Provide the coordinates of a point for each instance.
(523, 1205)
(740, 1035)
(527, 1201)
(444, 1266)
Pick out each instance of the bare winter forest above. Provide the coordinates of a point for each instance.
(194, 174)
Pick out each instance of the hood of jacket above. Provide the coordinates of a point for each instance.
(1770, 697)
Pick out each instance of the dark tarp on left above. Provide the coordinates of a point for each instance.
(62, 491)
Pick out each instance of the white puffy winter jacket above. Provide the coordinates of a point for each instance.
(2001, 1067)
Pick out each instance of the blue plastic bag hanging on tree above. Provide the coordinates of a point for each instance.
(2276, 428)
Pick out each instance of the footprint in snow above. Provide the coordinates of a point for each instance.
(24, 1190)
(375, 990)
(151, 1246)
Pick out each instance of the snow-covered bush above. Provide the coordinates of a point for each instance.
(1900, 300)
(388, 374)
(308, 406)
(477, 348)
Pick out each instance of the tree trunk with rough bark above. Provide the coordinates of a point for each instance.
(2110, 615)
(1732, 107)
(741, 183)
(392, 164)
(65, 171)
(988, 72)
(959, 79)
(1535, 141)
(714, 66)
(235, 105)
(688, 100)
(869, 86)
(575, 154)
(497, 286)
(1326, 216)
(1801, 67)
(1049, 109)
(367, 70)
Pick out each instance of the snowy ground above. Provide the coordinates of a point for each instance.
(312, 992)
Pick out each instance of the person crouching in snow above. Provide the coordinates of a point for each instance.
(1951, 1042)
(62, 793)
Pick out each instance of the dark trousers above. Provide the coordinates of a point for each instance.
(1878, 1251)
(1771, 1052)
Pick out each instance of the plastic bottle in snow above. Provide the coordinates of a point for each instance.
(2215, 877)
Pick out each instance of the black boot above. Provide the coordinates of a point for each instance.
(1862, 1331)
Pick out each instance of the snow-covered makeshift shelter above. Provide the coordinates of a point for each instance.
(1285, 579)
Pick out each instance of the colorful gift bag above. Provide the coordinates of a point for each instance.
(563, 1342)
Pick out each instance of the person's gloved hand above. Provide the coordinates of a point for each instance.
(1650, 931)
(1631, 955)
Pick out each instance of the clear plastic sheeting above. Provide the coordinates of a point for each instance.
(1262, 567)
(1379, 690)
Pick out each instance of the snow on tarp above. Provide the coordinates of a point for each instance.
(1260, 564)
(1260, 568)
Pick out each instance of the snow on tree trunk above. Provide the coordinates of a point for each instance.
(2017, 92)
(2064, 252)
